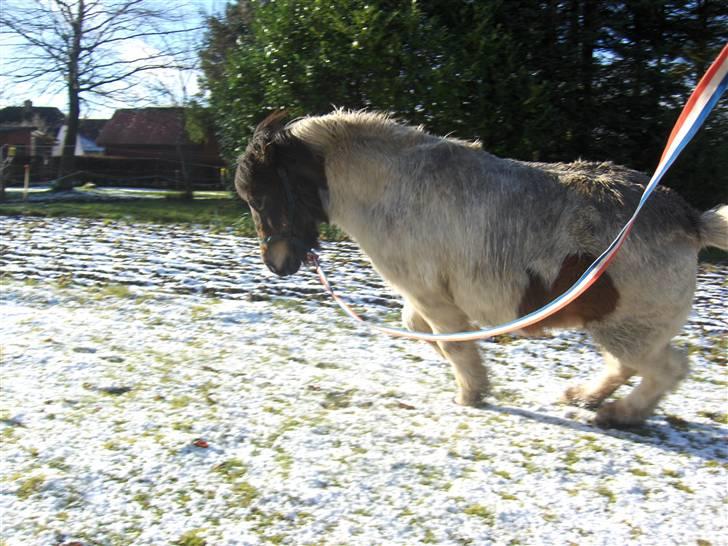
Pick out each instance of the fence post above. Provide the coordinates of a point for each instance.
(5, 160)
(26, 182)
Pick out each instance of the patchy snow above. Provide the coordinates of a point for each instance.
(124, 346)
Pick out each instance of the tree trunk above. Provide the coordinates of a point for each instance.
(68, 155)
(188, 192)
(3, 165)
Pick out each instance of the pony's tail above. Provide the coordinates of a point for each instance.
(714, 227)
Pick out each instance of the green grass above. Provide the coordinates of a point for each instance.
(190, 538)
(231, 469)
(482, 512)
(200, 211)
(219, 210)
(30, 486)
(607, 493)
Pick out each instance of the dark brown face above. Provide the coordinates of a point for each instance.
(281, 179)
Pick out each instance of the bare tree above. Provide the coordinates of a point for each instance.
(96, 49)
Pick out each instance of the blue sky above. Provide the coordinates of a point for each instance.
(178, 85)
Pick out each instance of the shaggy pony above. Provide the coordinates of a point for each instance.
(471, 239)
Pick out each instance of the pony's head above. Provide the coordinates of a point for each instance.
(281, 179)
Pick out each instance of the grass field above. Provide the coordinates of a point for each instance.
(215, 209)
(159, 387)
(147, 206)
(225, 211)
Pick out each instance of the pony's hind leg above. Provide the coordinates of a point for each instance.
(470, 374)
(639, 334)
(590, 395)
(661, 371)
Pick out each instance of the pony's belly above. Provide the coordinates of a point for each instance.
(487, 304)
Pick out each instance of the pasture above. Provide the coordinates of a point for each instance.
(159, 386)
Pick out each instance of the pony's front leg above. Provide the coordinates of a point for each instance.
(470, 373)
(413, 321)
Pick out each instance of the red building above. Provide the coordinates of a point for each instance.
(157, 140)
(27, 134)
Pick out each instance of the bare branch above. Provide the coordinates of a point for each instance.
(30, 33)
(127, 62)
(126, 75)
(80, 44)
(115, 15)
(144, 35)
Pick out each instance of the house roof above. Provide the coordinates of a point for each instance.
(146, 127)
(22, 115)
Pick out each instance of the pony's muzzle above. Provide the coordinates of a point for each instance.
(281, 257)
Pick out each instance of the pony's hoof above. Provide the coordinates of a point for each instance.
(617, 415)
(576, 396)
(472, 399)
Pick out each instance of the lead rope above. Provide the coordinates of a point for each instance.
(705, 96)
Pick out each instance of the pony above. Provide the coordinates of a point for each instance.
(468, 238)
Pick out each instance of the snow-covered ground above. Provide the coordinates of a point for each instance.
(159, 387)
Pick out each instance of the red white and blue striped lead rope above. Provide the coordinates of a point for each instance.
(705, 96)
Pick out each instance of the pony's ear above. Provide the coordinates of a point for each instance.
(272, 124)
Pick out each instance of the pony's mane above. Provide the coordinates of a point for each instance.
(342, 126)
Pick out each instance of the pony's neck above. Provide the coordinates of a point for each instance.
(359, 151)
(344, 129)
